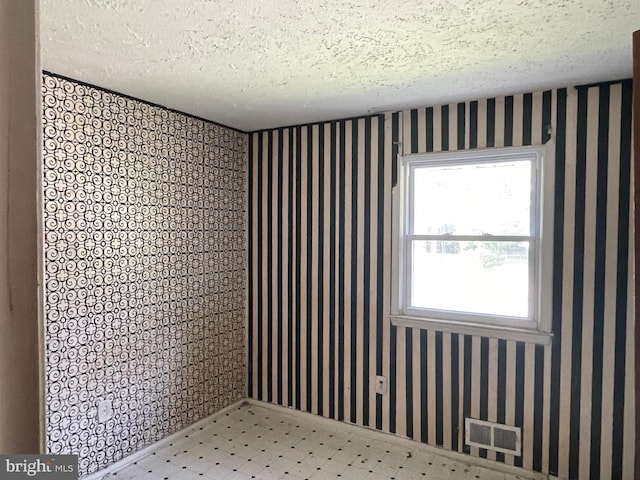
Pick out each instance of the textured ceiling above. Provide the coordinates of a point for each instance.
(257, 63)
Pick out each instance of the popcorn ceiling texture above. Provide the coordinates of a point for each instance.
(253, 64)
(144, 224)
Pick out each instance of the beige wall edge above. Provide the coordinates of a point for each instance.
(20, 326)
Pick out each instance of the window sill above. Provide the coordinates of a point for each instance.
(465, 328)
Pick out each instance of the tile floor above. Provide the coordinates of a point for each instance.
(255, 442)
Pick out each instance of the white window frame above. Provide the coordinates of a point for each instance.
(536, 327)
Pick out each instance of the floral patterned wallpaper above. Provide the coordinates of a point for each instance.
(145, 264)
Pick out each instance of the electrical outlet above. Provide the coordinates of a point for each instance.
(105, 411)
(381, 384)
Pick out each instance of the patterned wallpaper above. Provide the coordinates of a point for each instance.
(320, 243)
(144, 213)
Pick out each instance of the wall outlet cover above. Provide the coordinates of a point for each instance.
(381, 384)
(105, 411)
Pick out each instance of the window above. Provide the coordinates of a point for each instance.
(470, 229)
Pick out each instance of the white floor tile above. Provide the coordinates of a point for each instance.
(217, 471)
(257, 443)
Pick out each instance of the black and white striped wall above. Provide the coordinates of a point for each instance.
(320, 283)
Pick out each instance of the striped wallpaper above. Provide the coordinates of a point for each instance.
(319, 283)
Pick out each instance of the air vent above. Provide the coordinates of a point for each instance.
(493, 436)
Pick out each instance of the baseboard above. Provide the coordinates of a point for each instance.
(125, 462)
(409, 443)
(361, 430)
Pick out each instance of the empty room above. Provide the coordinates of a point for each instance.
(319, 239)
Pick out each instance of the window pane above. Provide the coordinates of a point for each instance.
(484, 198)
(473, 277)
